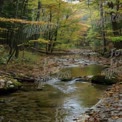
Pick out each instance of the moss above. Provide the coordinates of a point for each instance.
(10, 85)
(101, 79)
(16, 83)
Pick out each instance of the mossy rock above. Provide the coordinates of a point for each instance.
(101, 79)
(8, 85)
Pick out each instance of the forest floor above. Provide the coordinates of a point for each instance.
(34, 65)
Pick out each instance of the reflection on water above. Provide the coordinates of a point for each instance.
(57, 102)
(84, 71)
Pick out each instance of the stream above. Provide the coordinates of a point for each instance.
(57, 102)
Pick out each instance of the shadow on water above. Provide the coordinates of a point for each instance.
(57, 102)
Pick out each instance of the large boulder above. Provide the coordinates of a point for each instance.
(8, 84)
(101, 79)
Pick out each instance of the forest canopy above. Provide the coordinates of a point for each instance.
(56, 24)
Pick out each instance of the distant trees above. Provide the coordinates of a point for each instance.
(52, 22)
(13, 9)
(108, 21)
(115, 13)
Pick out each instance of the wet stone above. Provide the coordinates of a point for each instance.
(120, 101)
(119, 120)
(98, 106)
(104, 120)
(103, 115)
(114, 114)
(1, 118)
(120, 95)
(120, 112)
(111, 120)
(120, 105)
(88, 112)
(112, 109)
(2, 101)
(119, 109)
(107, 110)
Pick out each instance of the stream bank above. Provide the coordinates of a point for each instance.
(108, 109)
(58, 101)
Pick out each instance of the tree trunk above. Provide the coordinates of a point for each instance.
(1, 4)
(37, 19)
(115, 24)
(16, 51)
(102, 25)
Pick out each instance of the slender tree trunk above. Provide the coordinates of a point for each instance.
(16, 52)
(49, 32)
(1, 4)
(102, 25)
(115, 24)
(11, 56)
(37, 19)
(114, 19)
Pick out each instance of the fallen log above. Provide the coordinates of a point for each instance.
(25, 79)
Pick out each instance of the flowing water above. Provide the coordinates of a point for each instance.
(57, 102)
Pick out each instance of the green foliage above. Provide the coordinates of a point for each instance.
(54, 24)
(28, 57)
(115, 39)
(65, 46)
(16, 83)
(106, 21)
(3, 60)
(3, 55)
(40, 41)
(42, 23)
